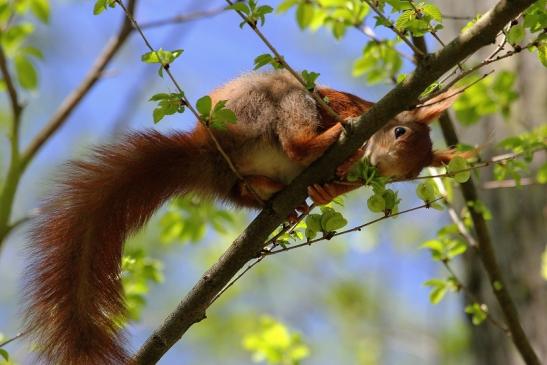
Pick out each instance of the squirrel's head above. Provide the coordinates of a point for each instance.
(403, 147)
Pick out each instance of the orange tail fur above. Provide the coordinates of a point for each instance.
(74, 294)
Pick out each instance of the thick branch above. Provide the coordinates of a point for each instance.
(249, 244)
(485, 249)
(488, 258)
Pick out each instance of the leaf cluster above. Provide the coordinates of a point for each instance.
(252, 11)
(217, 116)
(15, 37)
(274, 343)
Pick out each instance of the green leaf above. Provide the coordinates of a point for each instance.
(286, 5)
(313, 222)
(497, 285)
(262, 60)
(239, 6)
(158, 114)
(160, 96)
(274, 343)
(391, 199)
(376, 203)
(433, 11)
(4, 354)
(32, 51)
(455, 167)
(204, 105)
(335, 222)
(40, 8)
(478, 311)
(535, 17)
(542, 53)
(304, 14)
(515, 34)
(138, 271)
(339, 29)
(486, 97)
(426, 191)
(404, 20)
(161, 56)
(436, 247)
(221, 116)
(455, 248)
(225, 116)
(379, 62)
(102, 5)
(309, 78)
(541, 175)
(544, 264)
(438, 290)
(26, 73)
(16, 35)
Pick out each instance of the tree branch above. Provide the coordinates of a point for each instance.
(485, 249)
(182, 18)
(73, 99)
(19, 162)
(7, 193)
(488, 257)
(251, 241)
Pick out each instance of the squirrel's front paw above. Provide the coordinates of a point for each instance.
(322, 194)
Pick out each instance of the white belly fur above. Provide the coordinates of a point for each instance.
(270, 161)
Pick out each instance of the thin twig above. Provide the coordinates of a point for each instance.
(471, 241)
(393, 28)
(182, 18)
(503, 184)
(499, 48)
(457, 17)
(423, 102)
(273, 250)
(354, 229)
(10, 340)
(239, 276)
(497, 323)
(271, 244)
(187, 103)
(500, 159)
(16, 106)
(485, 62)
(13, 175)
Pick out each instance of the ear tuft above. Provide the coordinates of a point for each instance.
(431, 109)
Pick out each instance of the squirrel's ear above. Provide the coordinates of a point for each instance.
(431, 109)
(444, 156)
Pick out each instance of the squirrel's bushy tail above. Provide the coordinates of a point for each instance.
(74, 294)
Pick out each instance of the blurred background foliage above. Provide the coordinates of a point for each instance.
(356, 299)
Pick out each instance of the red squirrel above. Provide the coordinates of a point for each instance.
(74, 294)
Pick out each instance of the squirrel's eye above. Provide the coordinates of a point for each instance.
(399, 131)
